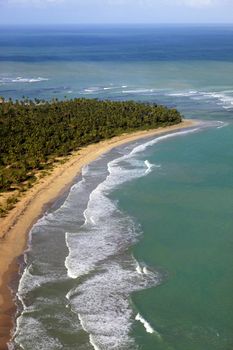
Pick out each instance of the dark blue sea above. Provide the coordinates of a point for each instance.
(138, 254)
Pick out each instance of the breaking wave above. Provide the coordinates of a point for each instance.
(99, 273)
(222, 98)
(8, 80)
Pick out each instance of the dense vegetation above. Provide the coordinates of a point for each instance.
(34, 133)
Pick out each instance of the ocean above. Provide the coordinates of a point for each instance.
(138, 253)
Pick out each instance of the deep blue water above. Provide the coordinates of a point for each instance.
(143, 253)
(127, 43)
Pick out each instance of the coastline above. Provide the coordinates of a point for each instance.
(16, 226)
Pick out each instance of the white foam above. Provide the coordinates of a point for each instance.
(101, 234)
(138, 268)
(193, 92)
(181, 94)
(10, 346)
(27, 283)
(42, 271)
(227, 107)
(31, 334)
(63, 212)
(95, 89)
(6, 80)
(224, 98)
(141, 269)
(190, 93)
(93, 343)
(222, 124)
(30, 282)
(137, 91)
(149, 166)
(71, 271)
(99, 89)
(145, 270)
(146, 325)
(143, 146)
(102, 302)
(92, 89)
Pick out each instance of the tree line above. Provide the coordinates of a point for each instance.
(34, 133)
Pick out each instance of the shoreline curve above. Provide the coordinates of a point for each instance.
(16, 225)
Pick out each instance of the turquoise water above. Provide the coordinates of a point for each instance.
(187, 225)
(138, 254)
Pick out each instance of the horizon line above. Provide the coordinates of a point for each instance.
(121, 24)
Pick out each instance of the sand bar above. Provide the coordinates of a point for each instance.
(16, 226)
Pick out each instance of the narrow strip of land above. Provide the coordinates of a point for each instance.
(17, 224)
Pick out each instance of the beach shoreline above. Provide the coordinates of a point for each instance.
(16, 226)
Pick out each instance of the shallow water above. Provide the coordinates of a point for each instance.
(139, 254)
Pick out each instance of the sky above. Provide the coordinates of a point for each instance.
(115, 11)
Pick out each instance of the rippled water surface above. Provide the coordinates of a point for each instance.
(138, 255)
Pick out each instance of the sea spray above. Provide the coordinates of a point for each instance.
(8, 80)
(145, 323)
(101, 235)
(98, 244)
(98, 251)
(222, 98)
(102, 302)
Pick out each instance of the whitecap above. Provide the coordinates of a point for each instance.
(102, 298)
(149, 167)
(138, 268)
(101, 234)
(145, 270)
(146, 324)
(92, 89)
(221, 124)
(6, 80)
(31, 334)
(143, 146)
(137, 91)
(179, 94)
(223, 98)
(102, 302)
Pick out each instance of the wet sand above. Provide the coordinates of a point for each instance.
(16, 226)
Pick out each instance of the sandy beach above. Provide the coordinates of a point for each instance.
(16, 226)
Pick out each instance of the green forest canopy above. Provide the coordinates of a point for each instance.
(34, 133)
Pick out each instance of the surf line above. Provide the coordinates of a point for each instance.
(147, 325)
